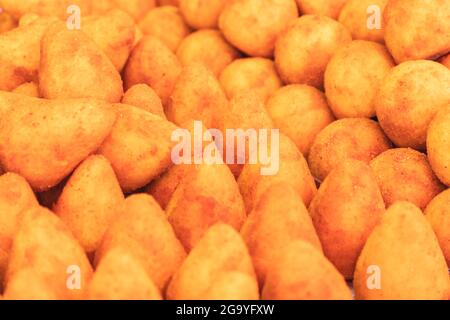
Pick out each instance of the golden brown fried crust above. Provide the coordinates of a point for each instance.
(358, 138)
(392, 249)
(409, 97)
(304, 49)
(416, 29)
(252, 26)
(405, 175)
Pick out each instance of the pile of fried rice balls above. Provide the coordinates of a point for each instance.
(93, 207)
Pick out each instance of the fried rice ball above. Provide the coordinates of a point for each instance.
(293, 170)
(166, 24)
(253, 25)
(246, 111)
(345, 210)
(208, 47)
(352, 138)
(152, 63)
(197, 95)
(301, 112)
(353, 76)
(417, 29)
(144, 97)
(201, 14)
(301, 272)
(408, 99)
(405, 175)
(250, 74)
(303, 51)
(403, 253)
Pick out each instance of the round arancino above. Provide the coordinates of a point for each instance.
(417, 29)
(200, 14)
(250, 74)
(303, 51)
(405, 174)
(208, 47)
(408, 99)
(301, 112)
(158, 21)
(353, 76)
(351, 138)
(253, 25)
